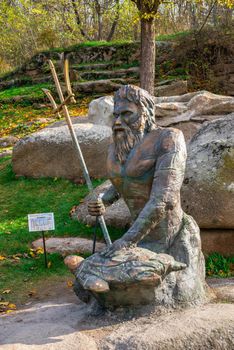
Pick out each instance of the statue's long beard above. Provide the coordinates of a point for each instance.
(124, 141)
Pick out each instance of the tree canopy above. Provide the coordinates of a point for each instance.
(28, 26)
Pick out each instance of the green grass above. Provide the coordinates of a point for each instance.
(19, 197)
(219, 266)
(21, 269)
(171, 37)
(34, 91)
(85, 44)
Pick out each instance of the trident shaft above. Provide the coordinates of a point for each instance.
(64, 108)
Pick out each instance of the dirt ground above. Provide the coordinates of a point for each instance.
(55, 319)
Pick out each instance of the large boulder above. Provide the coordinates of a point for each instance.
(208, 189)
(68, 245)
(207, 327)
(218, 240)
(186, 112)
(101, 111)
(116, 215)
(207, 103)
(50, 152)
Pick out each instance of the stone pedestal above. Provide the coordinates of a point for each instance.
(139, 276)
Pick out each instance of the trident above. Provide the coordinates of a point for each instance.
(63, 107)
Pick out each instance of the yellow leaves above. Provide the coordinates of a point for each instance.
(49, 264)
(35, 252)
(69, 284)
(227, 3)
(40, 250)
(7, 307)
(2, 258)
(32, 254)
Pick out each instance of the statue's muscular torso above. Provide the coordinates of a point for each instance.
(152, 175)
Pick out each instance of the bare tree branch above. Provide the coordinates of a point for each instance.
(78, 20)
(115, 22)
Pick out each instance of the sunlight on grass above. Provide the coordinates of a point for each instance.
(31, 90)
(20, 197)
(173, 36)
(20, 120)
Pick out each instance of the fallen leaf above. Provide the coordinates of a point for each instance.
(18, 255)
(49, 264)
(2, 258)
(9, 311)
(73, 210)
(7, 291)
(32, 293)
(15, 257)
(69, 284)
(40, 250)
(12, 306)
(4, 303)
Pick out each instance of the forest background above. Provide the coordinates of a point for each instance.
(30, 26)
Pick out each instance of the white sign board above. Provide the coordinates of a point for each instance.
(41, 222)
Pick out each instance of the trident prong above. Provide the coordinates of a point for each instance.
(63, 107)
(52, 101)
(67, 80)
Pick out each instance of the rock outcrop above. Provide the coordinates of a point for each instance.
(186, 112)
(208, 189)
(50, 153)
(101, 111)
(68, 245)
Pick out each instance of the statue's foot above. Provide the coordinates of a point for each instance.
(170, 264)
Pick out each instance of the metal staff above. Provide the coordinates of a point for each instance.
(64, 108)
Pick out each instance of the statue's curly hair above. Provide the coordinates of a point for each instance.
(142, 99)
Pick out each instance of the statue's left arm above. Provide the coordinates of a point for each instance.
(165, 192)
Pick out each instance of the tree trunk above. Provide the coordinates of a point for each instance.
(148, 48)
(78, 20)
(115, 22)
(99, 16)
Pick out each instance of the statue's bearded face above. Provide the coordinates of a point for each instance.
(128, 128)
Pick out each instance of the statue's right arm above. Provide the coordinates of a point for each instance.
(97, 207)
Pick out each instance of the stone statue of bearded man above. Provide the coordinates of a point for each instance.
(146, 166)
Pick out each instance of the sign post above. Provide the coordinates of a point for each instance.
(41, 222)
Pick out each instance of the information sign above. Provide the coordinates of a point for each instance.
(41, 222)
